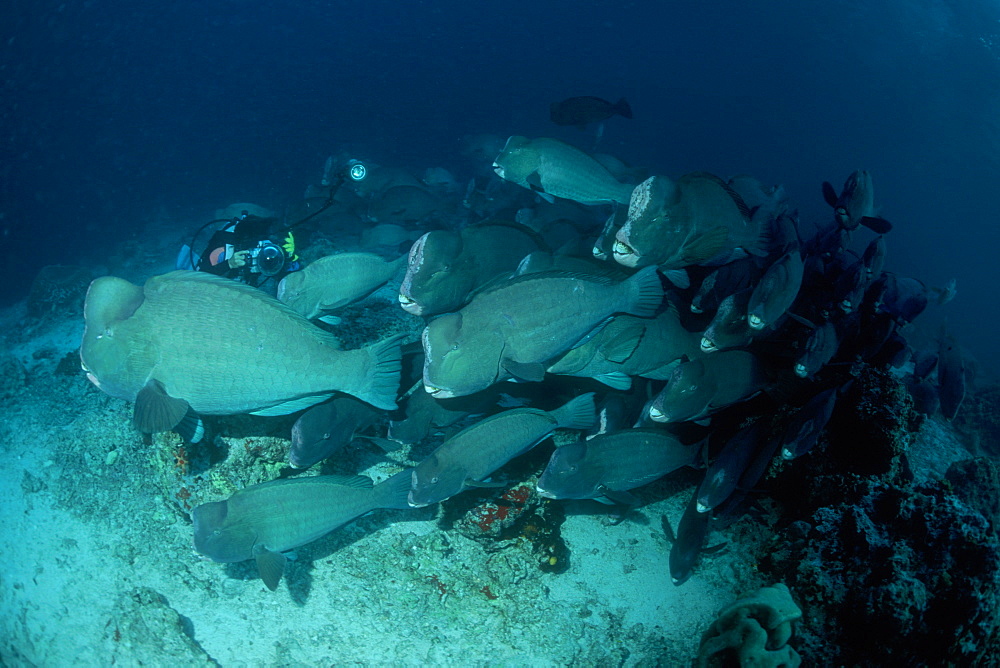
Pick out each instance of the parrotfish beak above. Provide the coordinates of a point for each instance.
(656, 415)
(755, 321)
(707, 346)
(542, 492)
(409, 305)
(414, 504)
(437, 392)
(624, 254)
(498, 169)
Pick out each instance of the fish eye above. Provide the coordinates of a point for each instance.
(434, 480)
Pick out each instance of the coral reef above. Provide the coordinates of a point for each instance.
(872, 555)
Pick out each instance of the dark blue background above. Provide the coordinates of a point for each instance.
(112, 111)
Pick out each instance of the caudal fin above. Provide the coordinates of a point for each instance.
(578, 413)
(381, 383)
(645, 293)
(393, 492)
(622, 108)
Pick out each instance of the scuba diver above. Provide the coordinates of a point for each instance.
(244, 249)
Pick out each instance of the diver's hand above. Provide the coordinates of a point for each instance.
(238, 259)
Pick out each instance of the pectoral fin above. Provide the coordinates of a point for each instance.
(270, 565)
(530, 371)
(157, 411)
(483, 483)
(615, 380)
(876, 224)
(706, 245)
(830, 194)
(622, 497)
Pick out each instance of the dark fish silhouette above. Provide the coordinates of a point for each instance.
(583, 110)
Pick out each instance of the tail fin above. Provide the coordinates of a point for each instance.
(578, 413)
(622, 108)
(392, 492)
(381, 383)
(645, 293)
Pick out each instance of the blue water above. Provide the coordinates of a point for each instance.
(112, 110)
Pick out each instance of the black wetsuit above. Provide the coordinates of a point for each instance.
(242, 235)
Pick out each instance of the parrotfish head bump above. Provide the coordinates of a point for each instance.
(639, 201)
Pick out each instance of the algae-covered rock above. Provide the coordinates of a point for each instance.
(148, 632)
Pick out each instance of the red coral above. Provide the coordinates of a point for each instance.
(510, 504)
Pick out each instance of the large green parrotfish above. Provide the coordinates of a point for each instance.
(696, 220)
(555, 169)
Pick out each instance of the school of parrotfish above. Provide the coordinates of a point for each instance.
(699, 297)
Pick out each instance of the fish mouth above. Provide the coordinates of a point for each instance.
(625, 254)
(599, 253)
(409, 305)
(707, 346)
(498, 169)
(415, 504)
(755, 321)
(437, 392)
(656, 415)
(801, 371)
(542, 492)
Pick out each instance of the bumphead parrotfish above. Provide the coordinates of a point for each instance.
(191, 341)
(630, 346)
(697, 219)
(262, 521)
(553, 168)
(445, 267)
(335, 281)
(468, 457)
(856, 203)
(607, 466)
(515, 329)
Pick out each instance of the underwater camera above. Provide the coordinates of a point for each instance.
(267, 258)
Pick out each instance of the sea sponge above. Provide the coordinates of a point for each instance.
(754, 631)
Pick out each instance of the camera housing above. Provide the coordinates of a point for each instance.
(266, 258)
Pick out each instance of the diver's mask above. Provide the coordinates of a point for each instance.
(267, 258)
